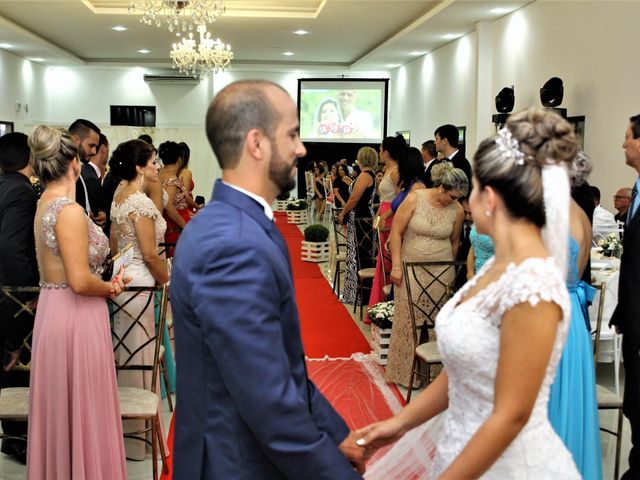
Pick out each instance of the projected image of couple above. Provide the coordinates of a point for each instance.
(342, 119)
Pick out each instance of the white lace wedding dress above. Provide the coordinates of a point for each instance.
(469, 341)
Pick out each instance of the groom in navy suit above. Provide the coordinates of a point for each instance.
(246, 407)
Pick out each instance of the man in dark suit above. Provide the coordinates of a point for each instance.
(447, 144)
(247, 409)
(88, 187)
(626, 316)
(430, 159)
(18, 266)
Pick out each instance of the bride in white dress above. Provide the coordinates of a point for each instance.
(501, 336)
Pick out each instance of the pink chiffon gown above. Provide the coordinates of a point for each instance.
(74, 412)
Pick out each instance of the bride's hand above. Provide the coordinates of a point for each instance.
(380, 434)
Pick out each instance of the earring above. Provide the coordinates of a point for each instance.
(488, 213)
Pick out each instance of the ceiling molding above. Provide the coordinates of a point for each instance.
(409, 28)
(246, 9)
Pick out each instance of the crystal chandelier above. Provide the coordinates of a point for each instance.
(207, 56)
(181, 16)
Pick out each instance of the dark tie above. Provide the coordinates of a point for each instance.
(634, 203)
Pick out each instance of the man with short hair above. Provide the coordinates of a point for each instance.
(446, 141)
(603, 221)
(100, 159)
(247, 409)
(18, 266)
(626, 316)
(621, 202)
(86, 136)
(430, 159)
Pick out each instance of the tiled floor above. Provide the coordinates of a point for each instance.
(11, 470)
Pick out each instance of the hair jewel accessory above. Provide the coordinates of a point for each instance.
(510, 146)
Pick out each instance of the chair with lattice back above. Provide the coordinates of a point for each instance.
(429, 286)
(340, 241)
(14, 401)
(366, 244)
(133, 336)
(384, 256)
(607, 400)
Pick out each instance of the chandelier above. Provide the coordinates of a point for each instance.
(201, 58)
(181, 16)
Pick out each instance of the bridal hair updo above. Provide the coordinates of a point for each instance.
(127, 156)
(579, 169)
(544, 138)
(445, 175)
(52, 150)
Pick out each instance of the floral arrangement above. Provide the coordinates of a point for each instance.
(381, 314)
(298, 204)
(610, 245)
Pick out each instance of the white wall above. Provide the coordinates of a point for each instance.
(17, 79)
(434, 90)
(589, 44)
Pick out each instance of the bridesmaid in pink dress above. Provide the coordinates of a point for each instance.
(74, 414)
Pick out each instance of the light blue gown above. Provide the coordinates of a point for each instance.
(573, 406)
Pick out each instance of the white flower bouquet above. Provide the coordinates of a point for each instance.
(381, 314)
(610, 245)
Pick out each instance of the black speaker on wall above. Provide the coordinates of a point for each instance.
(552, 92)
(505, 100)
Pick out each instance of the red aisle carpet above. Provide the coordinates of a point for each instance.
(351, 381)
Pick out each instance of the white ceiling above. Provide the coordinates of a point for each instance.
(349, 34)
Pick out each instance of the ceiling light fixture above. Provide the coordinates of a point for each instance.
(36, 59)
(201, 58)
(5, 45)
(417, 54)
(179, 15)
(144, 50)
(500, 10)
(451, 36)
(288, 54)
(119, 28)
(300, 32)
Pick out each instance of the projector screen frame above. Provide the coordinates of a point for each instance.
(383, 84)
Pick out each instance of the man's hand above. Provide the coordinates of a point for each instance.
(353, 452)
(100, 219)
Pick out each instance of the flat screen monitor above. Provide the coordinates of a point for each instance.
(347, 110)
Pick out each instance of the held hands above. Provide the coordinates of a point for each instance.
(118, 283)
(380, 434)
(354, 452)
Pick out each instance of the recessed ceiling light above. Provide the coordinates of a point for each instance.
(500, 10)
(144, 50)
(37, 59)
(393, 65)
(417, 53)
(300, 32)
(288, 54)
(119, 28)
(451, 36)
(5, 45)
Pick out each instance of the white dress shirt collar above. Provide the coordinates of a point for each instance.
(267, 208)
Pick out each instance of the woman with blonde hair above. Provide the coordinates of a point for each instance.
(74, 410)
(359, 205)
(502, 334)
(426, 227)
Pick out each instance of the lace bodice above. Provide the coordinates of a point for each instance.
(469, 341)
(386, 188)
(139, 205)
(180, 198)
(428, 233)
(98, 243)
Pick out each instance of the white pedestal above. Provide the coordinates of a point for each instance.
(380, 337)
(296, 216)
(316, 252)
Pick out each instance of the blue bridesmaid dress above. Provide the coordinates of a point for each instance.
(573, 406)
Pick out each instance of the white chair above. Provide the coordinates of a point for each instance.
(607, 343)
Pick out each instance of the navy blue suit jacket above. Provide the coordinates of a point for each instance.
(246, 408)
